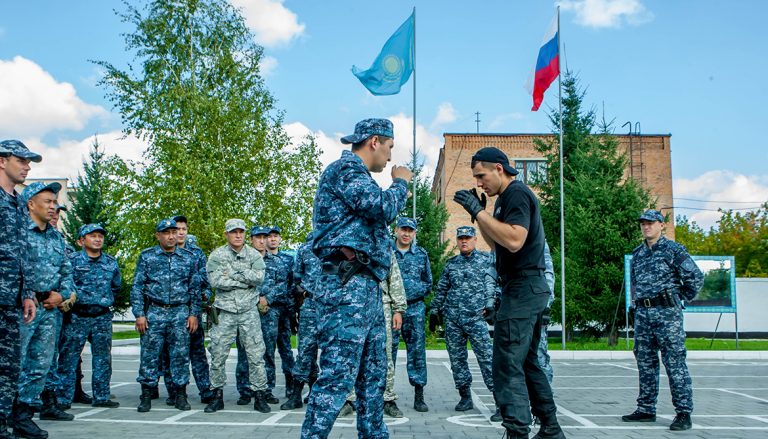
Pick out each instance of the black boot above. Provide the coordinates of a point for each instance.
(181, 402)
(294, 401)
(260, 401)
(288, 385)
(80, 396)
(50, 411)
(466, 400)
(638, 416)
(207, 395)
(217, 401)
(245, 397)
(550, 429)
(23, 425)
(145, 400)
(682, 422)
(418, 399)
(171, 400)
(270, 398)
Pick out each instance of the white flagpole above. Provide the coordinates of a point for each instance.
(414, 111)
(562, 198)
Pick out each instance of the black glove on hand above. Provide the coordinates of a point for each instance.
(490, 315)
(471, 203)
(434, 321)
(546, 317)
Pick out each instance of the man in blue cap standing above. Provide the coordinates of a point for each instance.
(166, 302)
(50, 277)
(662, 275)
(15, 294)
(417, 279)
(98, 281)
(351, 218)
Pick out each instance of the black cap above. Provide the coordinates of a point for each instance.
(490, 154)
(181, 219)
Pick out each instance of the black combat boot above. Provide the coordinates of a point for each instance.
(171, 399)
(288, 385)
(80, 396)
(217, 401)
(466, 400)
(682, 422)
(418, 399)
(207, 395)
(245, 397)
(23, 425)
(496, 417)
(550, 429)
(638, 416)
(145, 400)
(260, 401)
(270, 398)
(181, 402)
(50, 411)
(155, 392)
(294, 400)
(392, 410)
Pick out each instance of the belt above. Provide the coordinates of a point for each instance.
(89, 310)
(521, 274)
(166, 305)
(411, 302)
(334, 268)
(660, 300)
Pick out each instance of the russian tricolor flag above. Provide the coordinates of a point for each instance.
(547, 65)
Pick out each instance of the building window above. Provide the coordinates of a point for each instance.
(531, 171)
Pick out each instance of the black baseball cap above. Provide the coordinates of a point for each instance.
(490, 154)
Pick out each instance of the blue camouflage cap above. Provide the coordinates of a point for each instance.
(37, 187)
(406, 222)
(90, 228)
(165, 224)
(192, 240)
(275, 229)
(259, 230)
(15, 147)
(370, 127)
(465, 231)
(4, 152)
(651, 215)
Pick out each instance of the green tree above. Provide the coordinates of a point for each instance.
(216, 145)
(601, 208)
(89, 204)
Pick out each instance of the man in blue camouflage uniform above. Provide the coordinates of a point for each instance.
(165, 299)
(417, 279)
(351, 218)
(50, 277)
(97, 279)
(306, 270)
(663, 275)
(14, 291)
(197, 339)
(279, 319)
(464, 304)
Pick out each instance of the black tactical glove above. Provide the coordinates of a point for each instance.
(490, 315)
(471, 203)
(483, 200)
(434, 321)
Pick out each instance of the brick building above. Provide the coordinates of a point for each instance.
(649, 163)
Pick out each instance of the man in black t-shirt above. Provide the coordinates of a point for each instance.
(516, 232)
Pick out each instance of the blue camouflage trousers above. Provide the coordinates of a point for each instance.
(306, 369)
(276, 327)
(197, 358)
(351, 336)
(38, 345)
(415, 338)
(456, 335)
(97, 331)
(166, 325)
(10, 352)
(543, 355)
(661, 329)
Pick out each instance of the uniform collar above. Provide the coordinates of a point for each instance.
(659, 244)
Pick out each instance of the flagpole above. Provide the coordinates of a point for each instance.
(562, 198)
(414, 112)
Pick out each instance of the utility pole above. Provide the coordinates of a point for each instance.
(477, 121)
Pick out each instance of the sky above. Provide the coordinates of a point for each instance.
(687, 68)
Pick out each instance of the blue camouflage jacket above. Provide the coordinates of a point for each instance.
(166, 278)
(415, 270)
(306, 268)
(202, 261)
(277, 278)
(97, 280)
(666, 266)
(351, 210)
(14, 219)
(49, 266)
(462, 291)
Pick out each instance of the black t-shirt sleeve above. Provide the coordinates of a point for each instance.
(517, 209)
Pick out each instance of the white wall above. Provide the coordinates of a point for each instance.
(751, 306)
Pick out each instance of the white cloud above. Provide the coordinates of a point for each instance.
(33, 103)
(267, 66)
(66, 158)
(273, 23)
(607, 13)
(445, 114)
(502, 120)
(718, 189)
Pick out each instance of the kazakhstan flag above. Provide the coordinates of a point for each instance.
(393, 66)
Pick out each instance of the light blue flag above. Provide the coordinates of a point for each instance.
(393, 66)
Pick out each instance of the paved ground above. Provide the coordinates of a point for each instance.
(731, 402)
